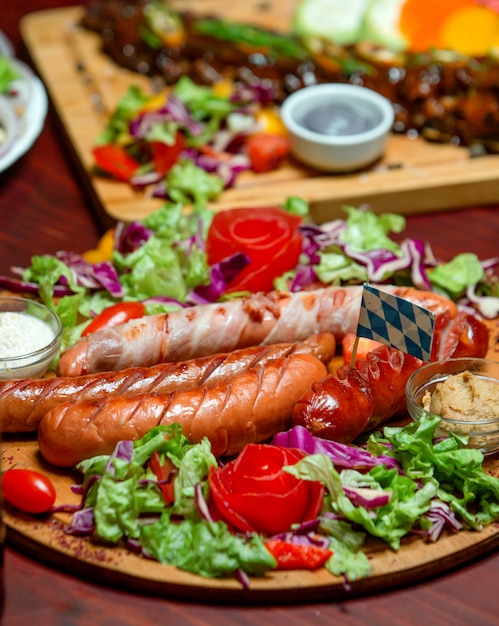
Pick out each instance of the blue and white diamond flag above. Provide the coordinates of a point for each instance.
(397, 322)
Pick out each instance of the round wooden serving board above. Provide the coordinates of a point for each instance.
(45, 539)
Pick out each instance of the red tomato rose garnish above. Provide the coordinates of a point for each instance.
(267, 235)
(253, 493)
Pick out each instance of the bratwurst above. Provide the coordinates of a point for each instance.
(23, 402)
(360, 398)
(260, 318)
(249, 408)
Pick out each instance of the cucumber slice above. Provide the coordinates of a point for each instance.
(381, 24)
(339, 21)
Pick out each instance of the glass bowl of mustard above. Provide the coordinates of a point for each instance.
(30, 337)
(337, 127)
(464, 394)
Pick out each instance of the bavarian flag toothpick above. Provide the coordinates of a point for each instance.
(396, 322)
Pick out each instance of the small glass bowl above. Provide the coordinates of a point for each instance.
(483, 433)
(33, 363)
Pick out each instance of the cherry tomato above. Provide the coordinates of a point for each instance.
(266, 151)
(364, 346)
(267, 235)
(116, 314)
(464, 335)
(163, 471)
(115, 160)
(28, 490)
(165, 156)
(297, 556)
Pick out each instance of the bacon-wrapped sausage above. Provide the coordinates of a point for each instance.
(261, 318)
(356, 399)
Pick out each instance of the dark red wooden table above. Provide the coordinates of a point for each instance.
(43, 209)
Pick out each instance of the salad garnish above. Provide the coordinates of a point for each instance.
(162, 262)
(402, 481)
(190, 144)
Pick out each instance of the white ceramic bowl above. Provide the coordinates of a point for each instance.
(358, 127)
(482, 430)
(32, 361)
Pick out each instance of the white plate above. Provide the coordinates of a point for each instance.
(6, 48)
(31, 123)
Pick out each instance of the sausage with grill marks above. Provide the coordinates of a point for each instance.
(249, 408)
(24, 402)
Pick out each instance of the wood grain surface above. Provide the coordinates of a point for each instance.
(413, 176)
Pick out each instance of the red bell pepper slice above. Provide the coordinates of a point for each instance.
(164, 156)
(297, 556)
(116, 161)
(164, 471)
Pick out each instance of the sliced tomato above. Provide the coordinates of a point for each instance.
(164, 156)
(164, 471)
(113, 315)
(266, 151)
(364, 346)
(297, 556)
(116, 161)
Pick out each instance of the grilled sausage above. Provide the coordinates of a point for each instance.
(251, 407)
(24, 402)
(261, 318)
(358, 399)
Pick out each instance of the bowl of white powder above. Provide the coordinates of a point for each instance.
(30, 337)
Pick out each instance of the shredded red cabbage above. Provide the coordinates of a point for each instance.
(441, 516)
(129, 237)
(366, 497)
(341, 455)
(220, 275)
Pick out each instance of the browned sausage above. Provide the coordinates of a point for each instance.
(358, 399)
(251, 407)
(24, 402)
(340, 407)
(261, 318)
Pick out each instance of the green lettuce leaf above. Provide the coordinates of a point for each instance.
(205, 548)
(452, 278)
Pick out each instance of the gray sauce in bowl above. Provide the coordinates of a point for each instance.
(339, 119)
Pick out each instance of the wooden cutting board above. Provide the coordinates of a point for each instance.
(46, 540)
(84, 86)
